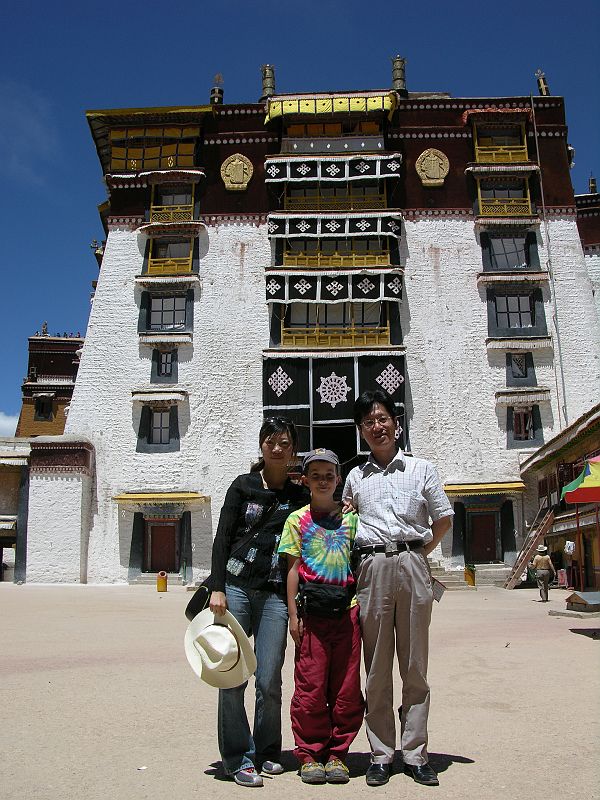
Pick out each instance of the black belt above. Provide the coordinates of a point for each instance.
(390, 547)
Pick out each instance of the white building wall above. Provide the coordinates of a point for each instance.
(56, 527)
(221, 371)
(592, 262)
(578, 320)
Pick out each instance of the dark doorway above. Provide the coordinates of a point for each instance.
(482, 537)
(341, 439)
(161, 546)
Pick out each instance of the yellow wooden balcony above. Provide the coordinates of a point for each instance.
(344, 336)
(504, 207)
(316, 260)
(171, 213)
(170, 266)
(500, 154)
(350, 203)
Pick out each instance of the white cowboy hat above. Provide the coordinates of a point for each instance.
(541, 548)
(218, 650)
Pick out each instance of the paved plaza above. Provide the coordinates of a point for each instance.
(98, 701)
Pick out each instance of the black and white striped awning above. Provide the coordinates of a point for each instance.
(370, 223)
(333, 168)
(333, 288)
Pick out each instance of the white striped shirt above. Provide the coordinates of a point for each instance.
(396, 503)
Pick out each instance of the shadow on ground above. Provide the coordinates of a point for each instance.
(591, 633)
(357, 763)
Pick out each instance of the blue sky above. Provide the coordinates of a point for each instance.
(59, 59)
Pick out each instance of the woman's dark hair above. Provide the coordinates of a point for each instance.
(367, 400)
(273, 426)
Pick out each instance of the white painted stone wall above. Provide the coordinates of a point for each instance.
(221, 371)
(453, 378)
(578, 320)
(58, 509)
(592, 262)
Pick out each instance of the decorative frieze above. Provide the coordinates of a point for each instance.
(333, 168)
(61, 456)
(358, 287)
(334, 225)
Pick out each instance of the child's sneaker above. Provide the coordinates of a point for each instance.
(312, 772)
(336, 771)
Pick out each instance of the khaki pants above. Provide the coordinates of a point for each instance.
(395, 598)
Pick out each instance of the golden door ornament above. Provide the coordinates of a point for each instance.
(432, 167)
(236, 172)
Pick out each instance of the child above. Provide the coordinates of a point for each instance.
(327, 706)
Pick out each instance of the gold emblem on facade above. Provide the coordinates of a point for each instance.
(236, 172)
(432, 167)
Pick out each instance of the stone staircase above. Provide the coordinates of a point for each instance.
(453, 580)
(149, 578)
(492, 574)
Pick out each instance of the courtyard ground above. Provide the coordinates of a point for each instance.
(98, 701)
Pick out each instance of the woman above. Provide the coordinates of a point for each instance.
(543, 566)
(250, 583)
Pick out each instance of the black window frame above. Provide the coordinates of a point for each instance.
(146, 305)
(537, 438)
(43, 409)
(156, 376)
(538, 326)
(529, 244)
(145, 443)
(529, 376)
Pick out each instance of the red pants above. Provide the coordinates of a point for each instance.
(327, 707)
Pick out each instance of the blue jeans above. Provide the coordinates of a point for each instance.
(265, 614)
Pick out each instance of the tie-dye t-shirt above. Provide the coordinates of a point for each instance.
(323, 545)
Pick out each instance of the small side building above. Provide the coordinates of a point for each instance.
(545, 473)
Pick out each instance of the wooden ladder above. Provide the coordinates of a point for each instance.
(535, 535)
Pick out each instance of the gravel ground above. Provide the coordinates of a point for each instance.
(98, 701)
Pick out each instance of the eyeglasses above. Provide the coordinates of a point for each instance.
(285, 445)
(369, 424)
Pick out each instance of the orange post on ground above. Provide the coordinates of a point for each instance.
(161, 582)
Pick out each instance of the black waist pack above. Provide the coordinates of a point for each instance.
(324, 599)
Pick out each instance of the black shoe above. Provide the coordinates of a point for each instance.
(378, 774)
(422, 773)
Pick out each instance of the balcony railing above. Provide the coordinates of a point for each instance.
(170, 266)
(343, 336)
(504, 207)
(171, 213)
(500, 154)
(319, 203)
(316, 260)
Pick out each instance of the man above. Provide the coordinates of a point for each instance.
(395, 498)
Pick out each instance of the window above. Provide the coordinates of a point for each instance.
(514, 252)
(159, 429)
(514, 311)
(524, 427)
(43, 409)
(336, 315)
(167, 313)
(522, 424)
(515, 188)
(173, 195)
(165, 364)
(518, 364)
(170, 249)
(159, 432)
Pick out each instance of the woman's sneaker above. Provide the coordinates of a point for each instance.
(336, 771)
(272, 768)
(312, 772)
(248, 777)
